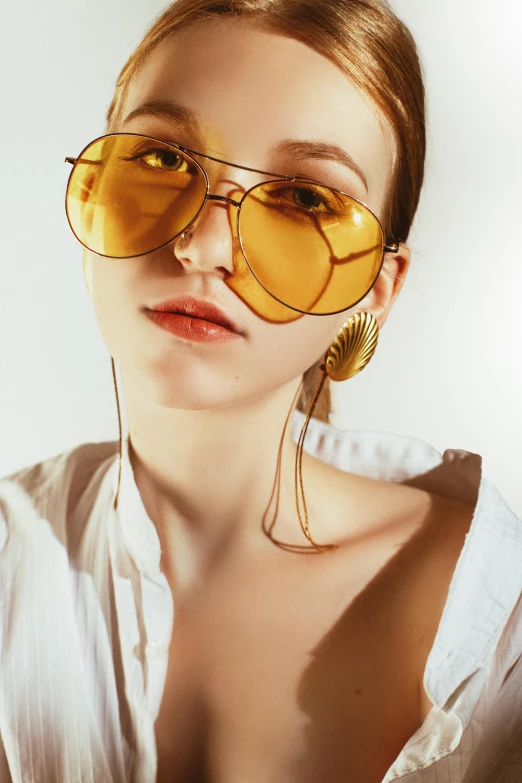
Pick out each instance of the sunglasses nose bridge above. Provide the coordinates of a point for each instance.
(226, 199)
(212, 197)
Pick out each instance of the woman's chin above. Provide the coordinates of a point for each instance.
(180, 393)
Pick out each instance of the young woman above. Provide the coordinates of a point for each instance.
(204, 602)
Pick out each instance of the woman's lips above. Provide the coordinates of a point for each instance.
(196, 308)
(193, 319)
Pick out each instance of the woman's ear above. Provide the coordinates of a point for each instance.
(87, 271)
(386, 288)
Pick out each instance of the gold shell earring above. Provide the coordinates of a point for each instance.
(350, 352)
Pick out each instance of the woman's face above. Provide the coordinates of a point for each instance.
(256, 96)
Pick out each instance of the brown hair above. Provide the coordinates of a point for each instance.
(370, 44)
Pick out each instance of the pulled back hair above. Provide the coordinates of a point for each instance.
(370, 45)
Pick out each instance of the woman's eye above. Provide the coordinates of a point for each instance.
(308, 199)
(163, 159)
(303, 200)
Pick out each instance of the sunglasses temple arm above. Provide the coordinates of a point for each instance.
(72, 161)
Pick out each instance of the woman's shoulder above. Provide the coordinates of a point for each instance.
(51, 490)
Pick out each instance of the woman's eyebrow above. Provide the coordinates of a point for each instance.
(185, 117)
(303, 150)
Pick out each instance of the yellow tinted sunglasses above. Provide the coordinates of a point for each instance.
(314, 249)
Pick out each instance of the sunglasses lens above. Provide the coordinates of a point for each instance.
(128, 195)
(312, 248)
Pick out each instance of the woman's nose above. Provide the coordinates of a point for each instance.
(211, 240)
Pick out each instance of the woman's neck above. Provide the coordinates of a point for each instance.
(206, 476)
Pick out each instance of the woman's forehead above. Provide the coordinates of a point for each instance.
(247, 92)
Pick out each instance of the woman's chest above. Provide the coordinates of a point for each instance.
(291, 682)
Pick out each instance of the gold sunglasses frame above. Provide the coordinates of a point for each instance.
(387, 248)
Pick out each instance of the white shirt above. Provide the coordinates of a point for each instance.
(86, 618)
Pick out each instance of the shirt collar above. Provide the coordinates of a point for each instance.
(138, 530)
(485, 587)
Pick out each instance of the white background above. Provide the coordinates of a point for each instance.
(449, 364)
